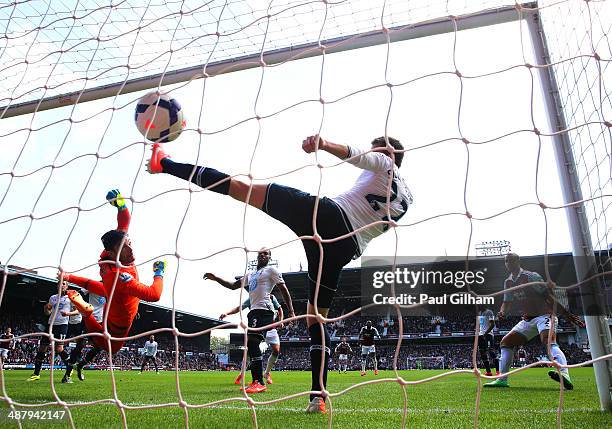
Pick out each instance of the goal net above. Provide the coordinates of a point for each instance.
(425, 362)
(504, 110)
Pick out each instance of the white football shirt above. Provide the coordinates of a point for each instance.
(260, 284)
(98, 304)
(484, 320)
(75, 319)
(366, 202)
(63, 304)
(151, 348)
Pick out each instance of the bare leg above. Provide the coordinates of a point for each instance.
(239, 190)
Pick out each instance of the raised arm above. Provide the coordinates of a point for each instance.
(91, 285)
(373, 161)
(229, 313)
(147, 293)
(123, 214)
(309, 145)
(229, 285)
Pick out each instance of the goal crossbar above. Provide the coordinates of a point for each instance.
(447, 24)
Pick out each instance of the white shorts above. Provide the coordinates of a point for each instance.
(272, 337)
(342, 357)
(533, 327)
(368, 349)
(4, 353)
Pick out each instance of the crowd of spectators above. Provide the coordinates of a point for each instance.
(452, 356)
(296, 357)
(390, 327)
(23, 350)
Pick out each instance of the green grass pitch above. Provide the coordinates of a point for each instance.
(449, 402)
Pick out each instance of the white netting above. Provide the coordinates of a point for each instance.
(57, 164)
(424, 362)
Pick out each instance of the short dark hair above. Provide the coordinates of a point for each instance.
(112, 238)
(395, 143)
(513, 256)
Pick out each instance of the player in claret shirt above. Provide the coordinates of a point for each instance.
(343, 350)
(536, 303)
(120, 286)
(7, 343)
(368, 349)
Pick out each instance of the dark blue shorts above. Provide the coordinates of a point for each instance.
(59, 332)
(486, 341)
(295, 209)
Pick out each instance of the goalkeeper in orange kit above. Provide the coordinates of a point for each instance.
(119, 285)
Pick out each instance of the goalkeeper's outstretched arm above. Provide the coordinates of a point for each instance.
(123, 214)
(148, 293)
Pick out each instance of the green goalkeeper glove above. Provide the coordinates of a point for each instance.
(115, 199)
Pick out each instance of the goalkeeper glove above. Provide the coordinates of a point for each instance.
(158, 268)
(115, 199)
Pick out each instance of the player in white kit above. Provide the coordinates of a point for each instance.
(377, 200)
(57, 308)
(260, 284)
(272, 338)
(486, 340)
(98, 303)
(522, 356)
(75, 328)
(150, 354)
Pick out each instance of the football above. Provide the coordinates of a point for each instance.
(159, 117)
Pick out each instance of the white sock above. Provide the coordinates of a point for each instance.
(375, 363)
(559, 356)
(364, 361)
(271, 361)
(507, 356)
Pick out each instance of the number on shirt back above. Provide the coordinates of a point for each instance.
(377, 202)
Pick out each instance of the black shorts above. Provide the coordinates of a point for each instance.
(75, 329)
(59, 332)
(148, 358)
(486, 341)
(259, 318)
(295, 209)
